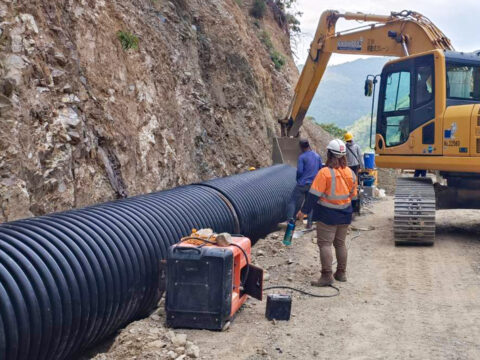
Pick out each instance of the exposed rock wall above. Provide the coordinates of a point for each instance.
(83, 121)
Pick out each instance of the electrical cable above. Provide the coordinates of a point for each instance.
(357, 235)
(337, 293)
(306, 292)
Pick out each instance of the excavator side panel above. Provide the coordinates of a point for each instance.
(475, 132)
(443, 163)
(457, 127)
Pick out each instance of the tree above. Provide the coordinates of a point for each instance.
(334, 130)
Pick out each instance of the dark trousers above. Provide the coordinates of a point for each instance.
(296, 201)
(355, 169)
(356, 203)
(420, 173)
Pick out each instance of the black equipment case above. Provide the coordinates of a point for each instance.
(199, 287)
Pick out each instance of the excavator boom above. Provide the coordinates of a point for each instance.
(397, 35)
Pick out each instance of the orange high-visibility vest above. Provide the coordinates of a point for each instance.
(336, 188)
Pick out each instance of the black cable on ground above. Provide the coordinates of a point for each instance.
(306, 292)
(357, 235)
(248, 268)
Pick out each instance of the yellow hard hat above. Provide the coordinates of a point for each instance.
(251, 168)
(348, 136)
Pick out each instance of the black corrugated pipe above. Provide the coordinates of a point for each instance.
(259, 197)
(68, 280)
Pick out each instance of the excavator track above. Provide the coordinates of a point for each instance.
(414, 214)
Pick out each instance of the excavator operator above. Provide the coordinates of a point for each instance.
(330, 197)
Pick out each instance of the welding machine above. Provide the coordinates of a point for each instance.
(207, 283)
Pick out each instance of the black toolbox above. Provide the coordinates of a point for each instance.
(199, 287)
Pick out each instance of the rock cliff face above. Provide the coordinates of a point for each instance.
(84, 119)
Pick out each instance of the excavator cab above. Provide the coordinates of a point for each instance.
(427, 115)
(409, 94)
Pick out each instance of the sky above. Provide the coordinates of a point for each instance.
(458, 19)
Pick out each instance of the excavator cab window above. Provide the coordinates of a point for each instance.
(397, 92)
(423, 85)
(423, 109)
(463, 82)
(396, 107)
(407, 99)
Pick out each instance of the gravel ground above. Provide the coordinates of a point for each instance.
(398, 303)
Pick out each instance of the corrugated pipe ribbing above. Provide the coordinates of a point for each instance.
(68, 280)
(259, 197)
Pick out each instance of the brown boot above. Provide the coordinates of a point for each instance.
(325, 280)
(340, 275)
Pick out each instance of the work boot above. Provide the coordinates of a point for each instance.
(340, 275)
(325, 280)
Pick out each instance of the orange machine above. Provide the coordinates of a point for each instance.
(240, 265)
(209, 277)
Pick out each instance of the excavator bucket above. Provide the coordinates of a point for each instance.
(285, 151)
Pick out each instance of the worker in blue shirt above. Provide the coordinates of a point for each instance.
(309, 163)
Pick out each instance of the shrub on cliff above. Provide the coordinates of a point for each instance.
(258, 9)
(128, 40)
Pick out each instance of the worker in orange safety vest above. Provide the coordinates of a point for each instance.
(330, 197)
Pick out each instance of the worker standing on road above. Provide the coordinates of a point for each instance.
(330, 197)
(309, 162)
(420, 173)
(354, 154)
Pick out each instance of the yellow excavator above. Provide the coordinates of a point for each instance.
(428, 113)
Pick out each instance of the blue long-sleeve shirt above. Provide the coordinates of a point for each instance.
(309, 163)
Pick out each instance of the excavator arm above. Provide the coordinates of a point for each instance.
(397, 35)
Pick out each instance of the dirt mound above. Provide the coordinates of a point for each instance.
(318, 137)
(146, 339)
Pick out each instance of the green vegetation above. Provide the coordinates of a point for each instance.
(286, 16)
(334, 130)
(294, 23)
(266, 40)
(283, 13)
(128, 40)
(239, 2)
(285, 4)
(258, 9)
(277, 58)
(361, 131)
(291, 16)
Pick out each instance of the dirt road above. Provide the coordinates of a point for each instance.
(399, 302)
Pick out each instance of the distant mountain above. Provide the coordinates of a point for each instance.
(340, 96)
(361, 131)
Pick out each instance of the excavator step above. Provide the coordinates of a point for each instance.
(414, 212)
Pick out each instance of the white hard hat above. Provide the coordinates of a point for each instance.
(337, 147)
